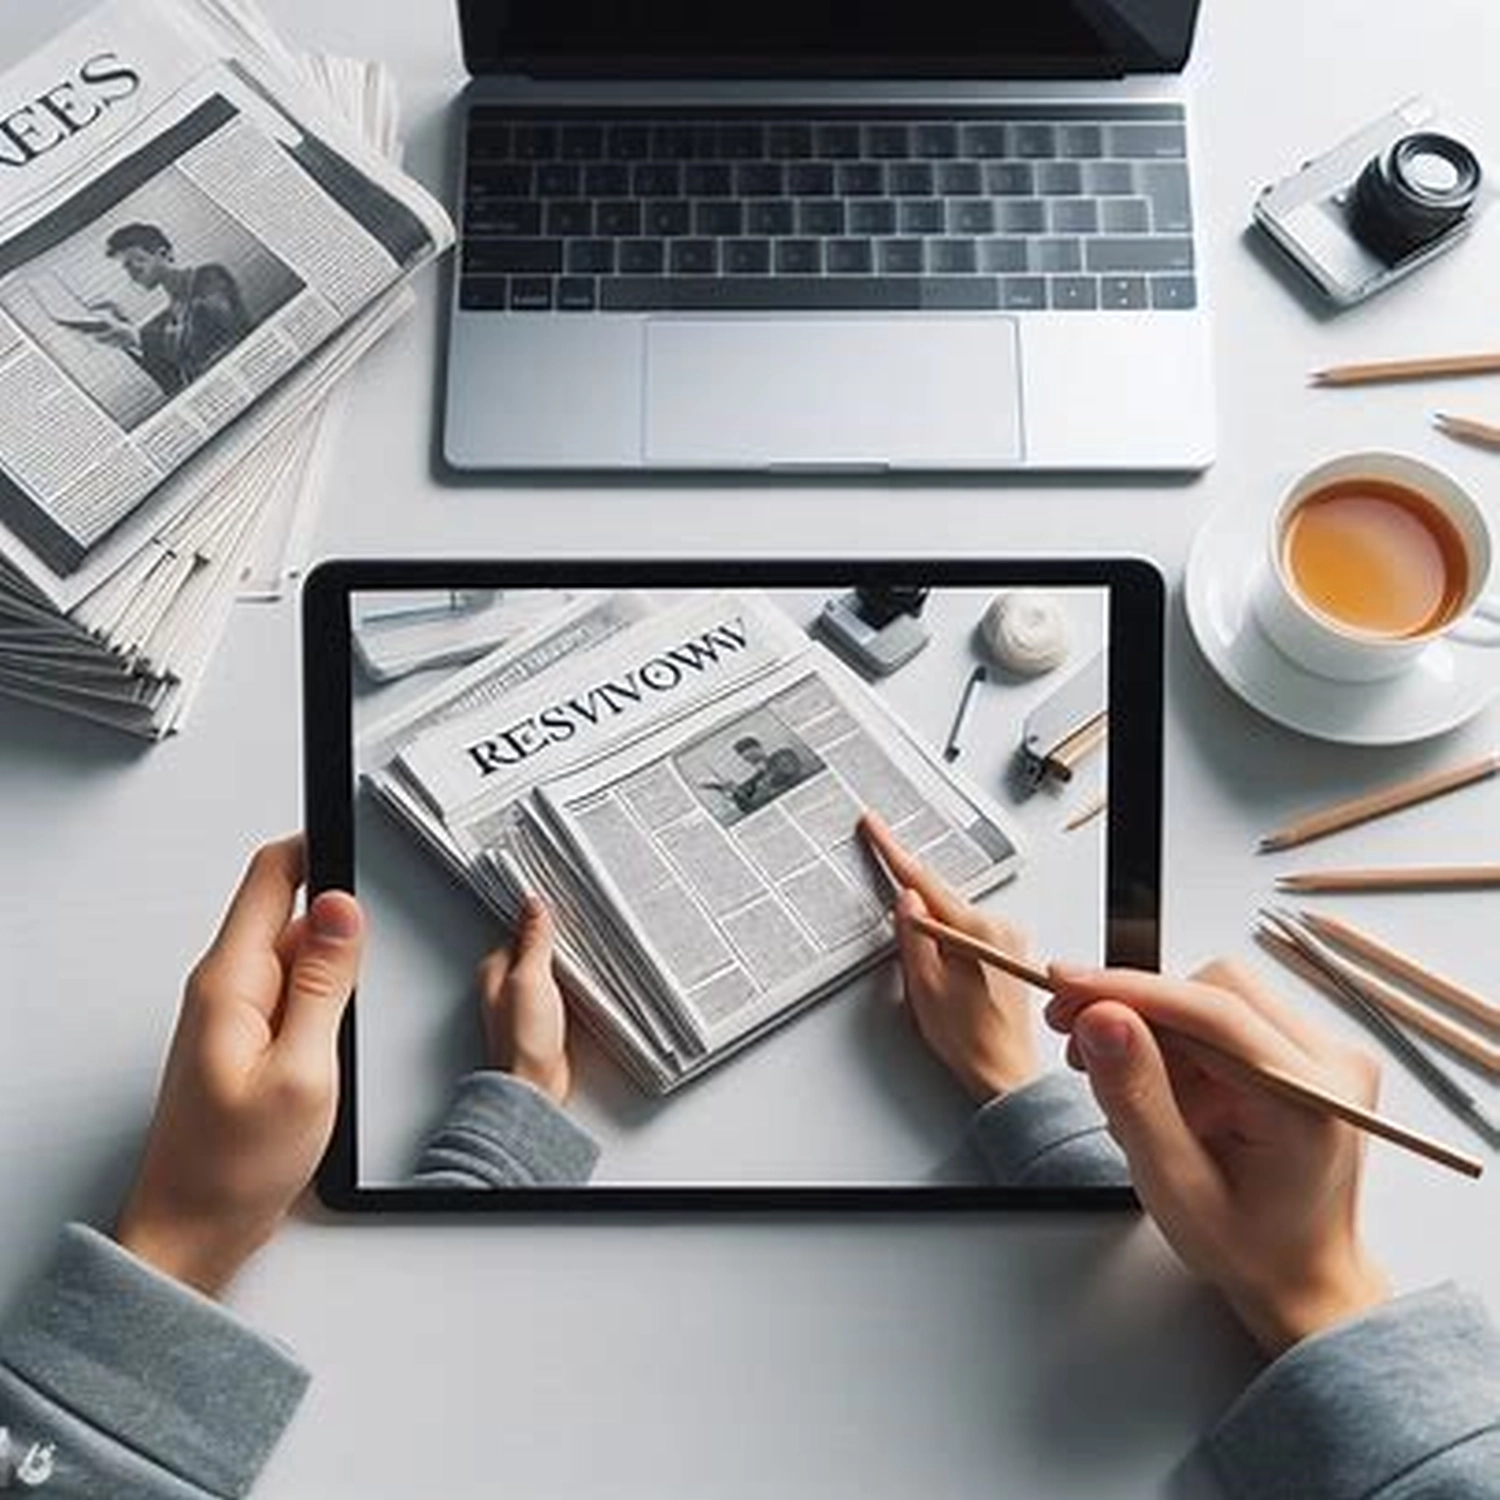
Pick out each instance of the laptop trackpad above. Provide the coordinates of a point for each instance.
(923, 392)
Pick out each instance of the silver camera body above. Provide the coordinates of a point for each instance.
(1321, 216)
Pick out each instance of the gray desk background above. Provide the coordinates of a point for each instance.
(958, 1357)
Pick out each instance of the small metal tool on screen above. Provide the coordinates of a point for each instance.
(1066, 727)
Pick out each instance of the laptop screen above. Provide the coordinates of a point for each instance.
(937, 38)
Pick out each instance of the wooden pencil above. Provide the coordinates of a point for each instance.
(1274, 1080)
(1347, 935)
(1408, 369)
(1407, 878)
(1468, 428)
(1378, 803)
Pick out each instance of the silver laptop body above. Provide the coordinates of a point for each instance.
(827, 274)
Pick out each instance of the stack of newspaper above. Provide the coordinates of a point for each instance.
(681, 781)
(200, 232)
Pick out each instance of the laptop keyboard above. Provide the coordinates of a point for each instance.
(1026, 208)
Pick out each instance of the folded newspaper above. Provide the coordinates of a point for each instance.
(200, 233)
(681, 782)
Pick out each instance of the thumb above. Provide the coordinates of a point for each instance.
(1130, 1081)
(531, 960)
(324, 968)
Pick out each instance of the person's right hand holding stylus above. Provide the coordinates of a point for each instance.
(1257, 1195)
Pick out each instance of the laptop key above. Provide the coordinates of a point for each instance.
(1074, 215)
(958, 178)
(911, 179)
(900, 257)
(761, 179)
(1057, 255)
(985, 140)
(593, 257)
(837, 141)
(935, 140)
(871, 216)
(861, 179)
(693, 257)
(497, 257)
(656, 179)
(499, 180)
(1021, 216)
(570, 216)
(504, 216)
(1034, 140)
(822, 216)
(707, 180)
(849, 257)
(717, 218)
(558, 179)
(488, 142)
(668, 216)
(887, 140)
(531, 294)
(618, 217)
(672, 142)
(971, 216)
(787, 141)
(799, 257)
(534, 142)
(1139, 252)
(1010, 179)
(581, 142)
(952, 255)
(796, 293)
(921, 216)
(775, 217)
(1003, 256)
(1165, 185)
(642, 257)
(606, 180)
(483, 293)
(1147, 141)
(629, 143)
(1080, 141)
(810, 179)
(1121, 293)
(1023, 293)
(1170, 292)
(1073, 293)
(745, 142)
(746, 257)
(1124, 215)
(1108, 179)
(1059, 179)
(577, 294)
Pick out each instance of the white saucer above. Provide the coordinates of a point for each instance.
(1449, 682)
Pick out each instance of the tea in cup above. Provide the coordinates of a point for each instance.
(1370, 558)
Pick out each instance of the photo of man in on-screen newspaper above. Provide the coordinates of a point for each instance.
(677, 820)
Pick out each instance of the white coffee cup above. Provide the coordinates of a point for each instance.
(1332, 647)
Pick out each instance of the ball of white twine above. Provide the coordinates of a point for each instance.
(1026, 631)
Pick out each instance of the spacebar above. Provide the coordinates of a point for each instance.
(795, 293)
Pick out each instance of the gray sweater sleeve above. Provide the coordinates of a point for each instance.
(1399, 1403)
(501, 1132)
(1047, 1134)
(125, 1383)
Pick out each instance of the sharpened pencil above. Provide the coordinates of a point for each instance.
(1378, 803)
(1374, 371)
(1468, 429)
(1407, 878)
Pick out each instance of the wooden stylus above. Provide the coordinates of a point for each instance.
(1273, 1080)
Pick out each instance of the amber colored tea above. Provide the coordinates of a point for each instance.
(1375, 556)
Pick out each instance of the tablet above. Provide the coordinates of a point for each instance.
(673, 756)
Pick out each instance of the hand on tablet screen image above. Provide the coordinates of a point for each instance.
(975, 1020)
(525, 1016)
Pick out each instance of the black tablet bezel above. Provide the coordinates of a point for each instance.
(1133, 849)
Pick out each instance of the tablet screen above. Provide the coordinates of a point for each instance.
(673, 758)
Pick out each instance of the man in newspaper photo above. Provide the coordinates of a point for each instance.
(205, 316)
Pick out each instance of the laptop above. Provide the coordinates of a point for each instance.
(808, 235)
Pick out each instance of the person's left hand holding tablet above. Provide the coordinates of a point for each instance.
(247, 1098)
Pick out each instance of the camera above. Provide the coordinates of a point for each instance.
(1377, 206)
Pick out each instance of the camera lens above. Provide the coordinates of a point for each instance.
(1414, 191)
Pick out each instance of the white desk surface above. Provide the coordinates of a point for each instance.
(954, 1357)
